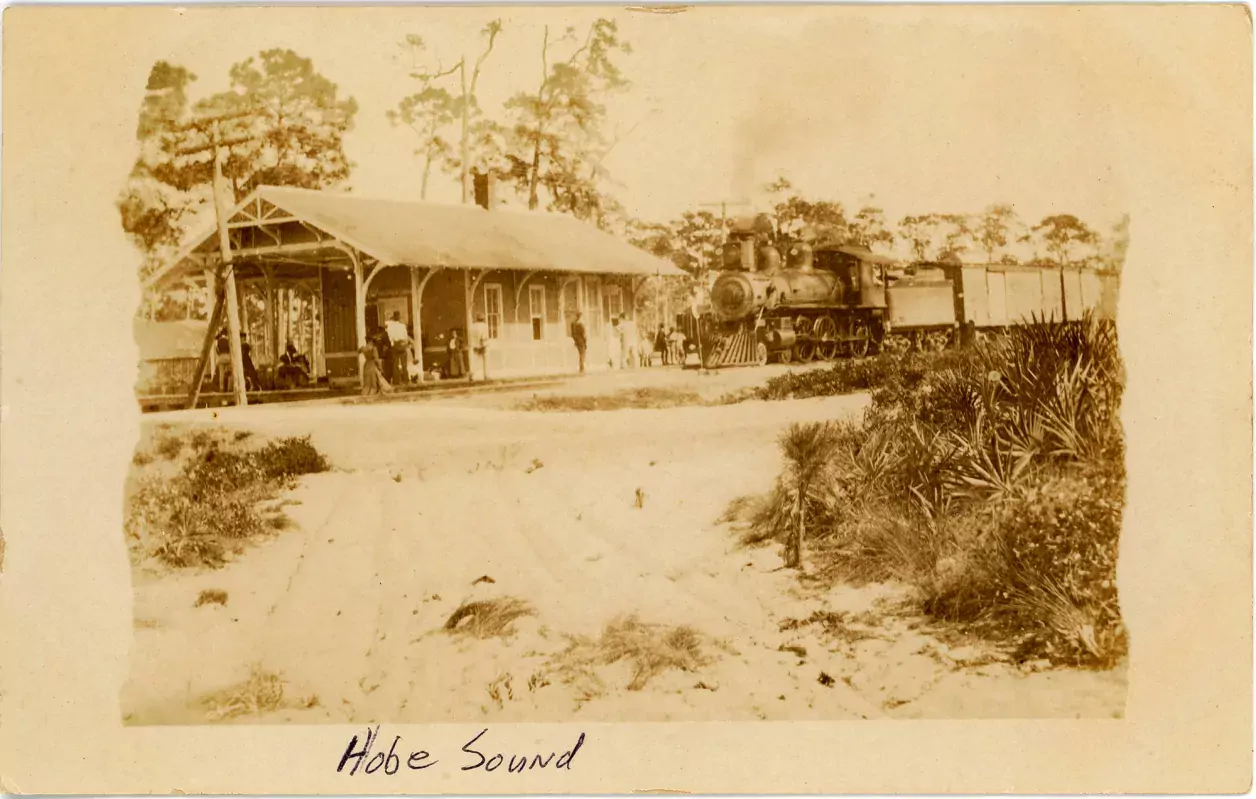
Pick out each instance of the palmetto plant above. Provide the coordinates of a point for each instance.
(927, 469)
(808, 451)
(1060, 386)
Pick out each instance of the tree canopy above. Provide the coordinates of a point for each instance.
(290, 132)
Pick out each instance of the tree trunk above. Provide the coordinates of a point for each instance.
(427, 171)
(540, 122)
(793, 552)
(466, 174)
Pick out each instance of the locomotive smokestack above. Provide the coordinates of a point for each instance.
(747, 255)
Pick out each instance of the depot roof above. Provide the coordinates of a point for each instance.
(432, 234)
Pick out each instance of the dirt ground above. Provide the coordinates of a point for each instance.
(588, 517)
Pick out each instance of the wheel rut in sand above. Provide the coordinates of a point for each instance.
(320, 632)
(390, 552)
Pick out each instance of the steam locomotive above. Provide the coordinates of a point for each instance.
(824, 300)
(818, 301)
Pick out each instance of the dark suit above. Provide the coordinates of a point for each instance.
(579, 336)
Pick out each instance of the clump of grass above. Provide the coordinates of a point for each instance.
(628, 398)
(490, 618)
(262, 692)
(834, 624)
(169, 447)
(651, 649)
(202, 440)
(211, 596)
(194, 516)
(991, 479)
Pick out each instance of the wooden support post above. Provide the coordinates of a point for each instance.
(207, 357)
(228, 268)
(215, 297)
(359, 309)
(469, 297)
(271, 320)
(416, 323)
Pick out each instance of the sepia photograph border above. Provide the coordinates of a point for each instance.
(1181, 81)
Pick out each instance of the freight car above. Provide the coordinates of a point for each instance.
(926, 309)
(825, 300)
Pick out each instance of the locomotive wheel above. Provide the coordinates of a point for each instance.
(861, 340)
(805, 348)
(760, 354)
(825, 336)
(786, 356)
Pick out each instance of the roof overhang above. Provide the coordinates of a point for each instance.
(390, 233)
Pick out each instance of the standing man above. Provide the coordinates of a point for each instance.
(581, 339)
(398, 340)
(661, 346)
(222, 363)
(479, 345)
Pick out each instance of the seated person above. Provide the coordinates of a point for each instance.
(294, 368)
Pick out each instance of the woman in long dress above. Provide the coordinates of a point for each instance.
(453, 368)
(373, 381)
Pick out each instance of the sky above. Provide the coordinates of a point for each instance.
(946, 114)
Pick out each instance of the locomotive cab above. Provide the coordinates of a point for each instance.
(861, 274)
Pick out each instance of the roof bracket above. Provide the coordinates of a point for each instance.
(519, 290)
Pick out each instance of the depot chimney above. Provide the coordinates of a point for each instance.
(485, 189)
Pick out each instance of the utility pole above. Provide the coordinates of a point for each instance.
(723, 206)
(220, 148)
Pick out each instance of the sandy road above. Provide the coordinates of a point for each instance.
(426, 499)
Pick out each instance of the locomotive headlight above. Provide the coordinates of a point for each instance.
(733, 296)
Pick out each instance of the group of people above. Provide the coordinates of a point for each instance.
(222, 363)
(389, 356)
(293, 369)
(626, 349)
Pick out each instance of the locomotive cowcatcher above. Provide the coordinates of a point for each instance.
(818, 301)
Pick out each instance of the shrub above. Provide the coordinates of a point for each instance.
(290, 457)
(194, 516)
(218, 472)
(990, 478)
(1052, 558)
(850, 375)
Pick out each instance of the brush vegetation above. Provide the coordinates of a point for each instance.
(640, 398)
(264, 692)
(991, 479)
(648, 649)
(197, 496)
(490, 618)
